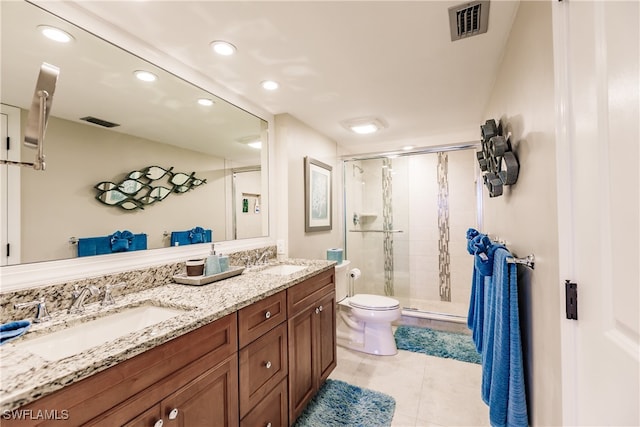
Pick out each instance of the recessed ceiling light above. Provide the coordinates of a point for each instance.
(269, 85)
(255, 144)
(145, 76)
(206, 102)
(364, 125)
(55, 34)
(223, 48)
(408, 147)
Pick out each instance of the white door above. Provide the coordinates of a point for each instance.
(10, 186)
(596, 50)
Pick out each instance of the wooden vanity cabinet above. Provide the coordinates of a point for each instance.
(129, 390)
(312, 338)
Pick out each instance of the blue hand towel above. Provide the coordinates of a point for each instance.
(121, 241)
(502, 368)
(188, 237)
(12, 330)
(88, 246)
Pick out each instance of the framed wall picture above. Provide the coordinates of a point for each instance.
(317, 195)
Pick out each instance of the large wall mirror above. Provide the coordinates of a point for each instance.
(159, 123)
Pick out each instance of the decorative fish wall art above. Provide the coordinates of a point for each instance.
(145, 187)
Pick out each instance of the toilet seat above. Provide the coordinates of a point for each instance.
(373, 302)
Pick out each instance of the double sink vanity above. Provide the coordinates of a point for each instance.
(251, 350)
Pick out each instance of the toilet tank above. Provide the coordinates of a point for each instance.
(342, 280)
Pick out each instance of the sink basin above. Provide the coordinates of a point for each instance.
(67, 342)
(283, 269)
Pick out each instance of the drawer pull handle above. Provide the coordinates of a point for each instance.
(173, 414)
(268, 424)
(158, 423)
(317, 310)
(320, 308)
(268, 364)
(267, 315)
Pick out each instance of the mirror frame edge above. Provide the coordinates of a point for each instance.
(32, 275)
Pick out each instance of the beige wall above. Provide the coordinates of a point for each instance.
(526, 215)
(295, 140)
(60, 203)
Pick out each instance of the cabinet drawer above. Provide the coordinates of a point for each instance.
(271, 411)
(263, 364)
(260, 317)
(307, 293)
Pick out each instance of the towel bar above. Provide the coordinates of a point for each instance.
(528, 261)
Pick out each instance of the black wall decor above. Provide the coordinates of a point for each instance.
(497, 161)
(146, 187)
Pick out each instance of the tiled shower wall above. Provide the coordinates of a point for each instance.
(415, 190)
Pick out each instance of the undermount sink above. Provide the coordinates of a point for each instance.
(283, 269)
(76, 339)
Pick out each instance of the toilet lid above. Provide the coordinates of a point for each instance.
(373, 302)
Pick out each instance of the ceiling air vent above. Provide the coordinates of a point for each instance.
(99, 122)
(469, 19)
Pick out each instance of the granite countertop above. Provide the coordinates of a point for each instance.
(25, 377)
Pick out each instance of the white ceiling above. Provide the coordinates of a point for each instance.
(335, 60)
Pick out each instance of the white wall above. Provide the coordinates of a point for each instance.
(526, 215)
(295, 140)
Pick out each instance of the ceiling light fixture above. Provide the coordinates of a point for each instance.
(145, 76)
(408, 147)
(205, 102)
(55, 34)
(269, 85)
(223, 48)
(364, 125)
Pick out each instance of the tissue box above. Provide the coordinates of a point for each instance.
(335, 254)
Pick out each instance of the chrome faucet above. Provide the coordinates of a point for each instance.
(42, 315)
(78, 296)
(108, 297)
(266, 253)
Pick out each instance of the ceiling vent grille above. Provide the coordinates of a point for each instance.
(99, 122)
(469, 19)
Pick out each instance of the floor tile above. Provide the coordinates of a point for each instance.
(429, 391)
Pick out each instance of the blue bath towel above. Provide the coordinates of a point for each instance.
(190, 237)
(12, 330)
(502, 367)
(483, 249)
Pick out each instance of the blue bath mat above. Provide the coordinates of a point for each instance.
(341, 404)
(437, 343)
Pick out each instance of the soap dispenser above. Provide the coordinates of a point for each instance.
(212, 263)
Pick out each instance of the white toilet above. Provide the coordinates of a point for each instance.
(364, 321)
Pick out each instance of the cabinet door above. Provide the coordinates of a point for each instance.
(209, 400)
(271, 411)
(302, 338)
(326, 356)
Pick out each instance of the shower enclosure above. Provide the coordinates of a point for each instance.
(406, 218)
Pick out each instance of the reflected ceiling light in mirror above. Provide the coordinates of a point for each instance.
(223, 48)
(55, 34)
(408, 147)
(145, 76)
(252, 141)
(269, 85)
(205, 102)
(364, 125)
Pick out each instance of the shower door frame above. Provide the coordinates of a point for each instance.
(474, 145)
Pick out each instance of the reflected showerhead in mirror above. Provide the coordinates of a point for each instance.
(39, 112)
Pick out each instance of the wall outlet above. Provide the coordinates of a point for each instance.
(280, 246)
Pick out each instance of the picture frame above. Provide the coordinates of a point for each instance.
(317, 195)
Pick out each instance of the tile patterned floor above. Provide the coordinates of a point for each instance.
(429, 391)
